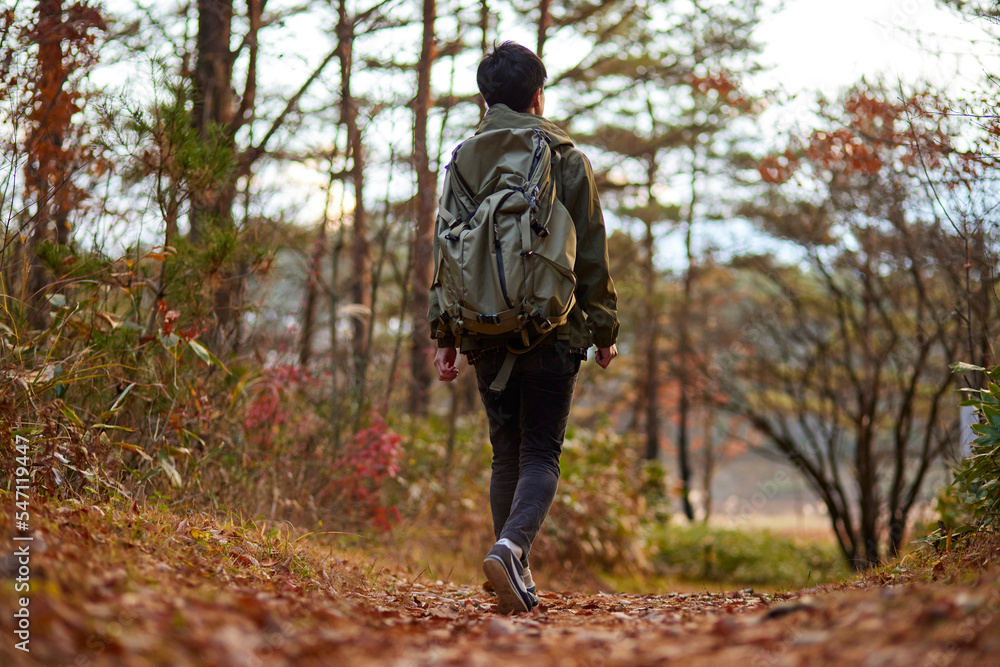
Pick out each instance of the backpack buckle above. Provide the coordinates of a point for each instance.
(532, 198)
(541, 322)
(488, 319)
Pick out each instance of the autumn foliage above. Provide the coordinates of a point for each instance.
(214, 357)
(65, 39)
(914, 135)
(357, 477)
(724, 86)
(203, 303)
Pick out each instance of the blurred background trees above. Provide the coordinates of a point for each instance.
(216, 258)
(853, 353)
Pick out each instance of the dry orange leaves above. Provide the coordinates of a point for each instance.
(126, 586)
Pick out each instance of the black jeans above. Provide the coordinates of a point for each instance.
(527, 426)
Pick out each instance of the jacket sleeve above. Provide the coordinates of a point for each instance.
(595, 290)
(439, 329)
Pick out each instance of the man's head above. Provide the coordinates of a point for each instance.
(513, 75)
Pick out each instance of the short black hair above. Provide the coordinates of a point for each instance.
(510, 74)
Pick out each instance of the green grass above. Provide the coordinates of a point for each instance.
(744, 558)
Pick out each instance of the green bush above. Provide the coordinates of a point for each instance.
(735, 557)
(971, 503)
(105, 388)
(596, 526)
(606, 495)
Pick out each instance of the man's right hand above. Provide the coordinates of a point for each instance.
(444, 362)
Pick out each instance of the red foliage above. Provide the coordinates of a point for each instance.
(874, 117)
(973, 163)
(65, 38)
(279, 432)
(268, 412)
(169, 317)
(875, 133)
(778, 168)
(723, 85)
(843, 151)
(370, 459)
(720, 82)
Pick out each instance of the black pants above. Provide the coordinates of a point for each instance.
(527, 427)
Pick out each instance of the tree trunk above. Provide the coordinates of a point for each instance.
(484, 28)
(403, 310)
(49, 168)
(423, 239)
(212, 105)
(685, 356)
(212, 108)
(708, 460)
(651, 385)
(544, 20)
(683, 454)
(336, 393)
(360, 252)
(34, 275)
(449, 448)
(312, 295)
(985, 304)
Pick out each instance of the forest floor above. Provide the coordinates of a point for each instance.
(119, 585)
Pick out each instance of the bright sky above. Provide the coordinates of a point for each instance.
(817, 47)
(814, 44)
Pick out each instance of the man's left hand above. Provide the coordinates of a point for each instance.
(605, 355)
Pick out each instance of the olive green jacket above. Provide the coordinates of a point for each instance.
(594, 318)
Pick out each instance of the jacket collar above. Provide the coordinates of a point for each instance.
(501, 117)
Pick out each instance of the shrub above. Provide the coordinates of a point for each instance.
(116, 395)
(358, 477)
(754, 558)
(596, 522)
(107, 393)
(971, 502)
(607, 495)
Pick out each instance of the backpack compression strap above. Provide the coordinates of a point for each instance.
(500, 381)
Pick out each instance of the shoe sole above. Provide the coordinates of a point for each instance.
(509, 601)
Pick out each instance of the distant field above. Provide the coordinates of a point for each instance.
(752, 492)
(811, 527)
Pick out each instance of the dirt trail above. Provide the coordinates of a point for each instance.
(907, 626)
(111, 590)
(420, 624)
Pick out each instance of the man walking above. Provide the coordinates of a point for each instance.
(527, 385)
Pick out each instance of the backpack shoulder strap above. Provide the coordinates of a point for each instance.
(456, 193)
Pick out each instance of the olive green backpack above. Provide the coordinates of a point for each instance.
(506, 246)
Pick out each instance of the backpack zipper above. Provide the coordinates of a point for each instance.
(452, 167)
(538, 156)
(497, 251)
